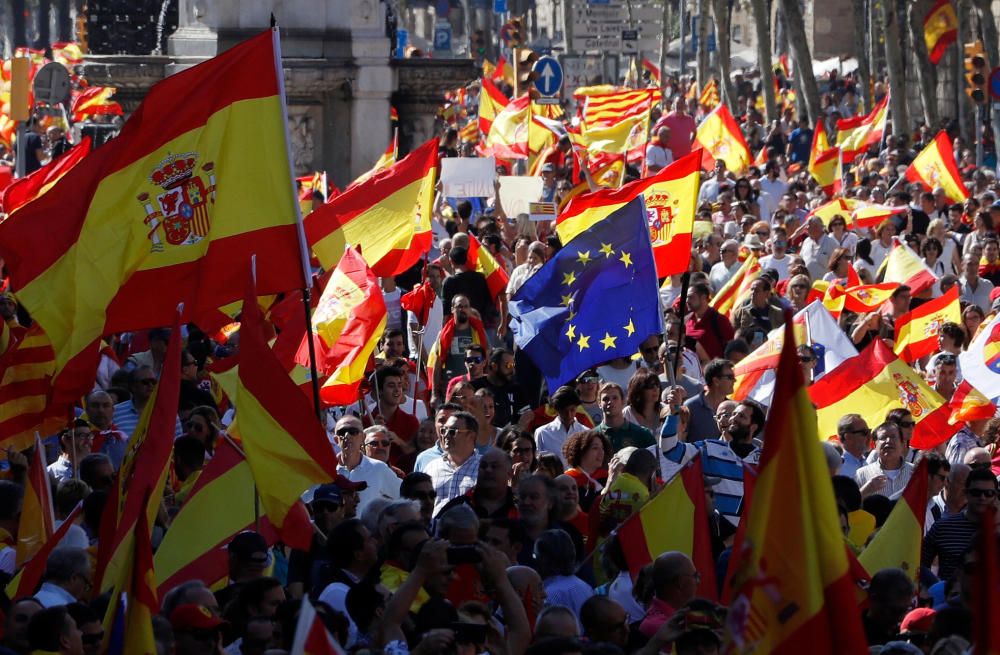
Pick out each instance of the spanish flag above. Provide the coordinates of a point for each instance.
(26, 581)
(377, 216)
(855, 134)
(134, 602)
(969, 404)
(26, 371)
(671, 198)
(37, 522)
(385, 160)
(820, 144)
(503, 72)
(607, 176)
(875, 382)
(652, 69)
(8, 127)
(484, 262)
(858, 298)
(676, 518)
(285, 445)
(793, 592)
(940, 30)
(67, 53)
(902, 265)
(828, 171)
(167, 212)
(508, 135)
(896, 545)
(935, 167)
(729, 296)
(917, 330)
(24, 190)
(311, 635)
(347, 324)
(870, 215)
(843, 207)
(95, 101)
(720, 138)
(491, 102)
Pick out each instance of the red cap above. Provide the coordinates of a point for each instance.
(194, 617)
(917, 620)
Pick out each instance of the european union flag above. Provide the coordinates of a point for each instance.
(596, 300)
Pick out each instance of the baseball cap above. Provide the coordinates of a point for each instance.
(328, 493)
(548, 168)
(194, 617)
(917, 620)
(251, 546)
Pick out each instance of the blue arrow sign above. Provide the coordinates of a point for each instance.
(548, 75)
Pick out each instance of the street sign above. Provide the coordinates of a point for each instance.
(630, 35)
(402, 39)
(51, 84)
(600, 27)
(694, 35)
(548, 76)
(500, 6)
(995, 83)
(442, 37)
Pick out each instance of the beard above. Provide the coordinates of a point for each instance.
(739, 433)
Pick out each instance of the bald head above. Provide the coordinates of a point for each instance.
(556, 621)
(522, 577)
(976, 457)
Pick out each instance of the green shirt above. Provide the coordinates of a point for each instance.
(629, 434)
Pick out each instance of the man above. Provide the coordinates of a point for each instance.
(620, 432)
(108, 439)
(377, 445)
(854, 436)
(248, 559)
(711, 249)
(141, 382)
(705, 326)
(418, 486)
(491, 497)
(945, 370)
(304, 567)
(96, 470)
(510, 399)
(53, 630)
(605, 621)
(629, 490)
(965, 441)
(778, 259)
(197, 630)
(393, 345)
(67, 577)
(658, 154)
(389, 412)
(890, 473)
(355, 466)
(551, 436)
(675, 582)
(75, 443)
(800, 143)
(506, 535)
(772, 187)
(951, 537)
(817, 248)
(719, 380)
(444, 412)
(757, 313)
(972, 288)
(744, 427)
(467, 282)
(475, 366)
(454, 473)
(587, 387)
(187, 593)
(461, 331)
(681, 128)
(890, 594)
(153, 358)
(15, 634)
(710, 188)
(726, 268)
(951, 499)
(34, 148)
(353, 554)
(435, 314)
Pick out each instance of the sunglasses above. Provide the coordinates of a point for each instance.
(451, 432)
(474, 360)
(384, 443)
(348, 432)
(981, 493)
(806, 360)
(588, 380)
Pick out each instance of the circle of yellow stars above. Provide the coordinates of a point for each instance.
(582, 341)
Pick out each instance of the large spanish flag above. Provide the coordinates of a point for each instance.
(388, 216)
(388, 157)
(917, 330)
(671, 198)
(508, 135)
(24, 190)
(285, 445)
(674, 519)
(940, 29)
(855, 134)
(935, 166)
(169, 211)
(897, 543)
(26, 371)
(859, 298)
(491, 103)
(37, 522)
(347, 324)
(793, 590)
(720, 137)
(875, 382)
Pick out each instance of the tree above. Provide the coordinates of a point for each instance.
(926, 74)
(20, 35)
(894, 64)
(801, 56)
(762, 23)
(861, 52)
(702, 42)
(720, 9)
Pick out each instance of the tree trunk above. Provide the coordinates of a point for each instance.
(926, 72)
(963, 10)
(64, 21)
(803, 59)
(664, 41)
(702, 43)
(894, 65)
(20, 34)
(762, 23)
(44, 29)
(989, 27)
(861, 51)
(720, 11)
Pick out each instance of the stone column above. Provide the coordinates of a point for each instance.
(193, 38)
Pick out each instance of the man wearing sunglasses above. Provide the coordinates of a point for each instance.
(951, 537)
(141, 382)
(355, 466)
(475, 367)
(455, 472)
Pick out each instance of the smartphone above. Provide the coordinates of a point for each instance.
(469, 633)
(463, 555)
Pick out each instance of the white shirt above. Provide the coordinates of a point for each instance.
(774, 189)
(335, 595)
(551, 436)
(816, 254)
(51, 595)
(658, 157)
(720, 274)
(879, 253)
(619, 376)
(620, 591)
(778, 264)
(979, 296)
(709, 191)
(567, 590)
(382, 482)
(61, 469)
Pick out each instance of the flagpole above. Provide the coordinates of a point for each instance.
(300, 229)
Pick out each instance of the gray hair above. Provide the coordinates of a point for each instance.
(370, 516)
(394, 509)
(65, 562)
(460, 517)
(180, 595)
(374, 430)
(844, 424)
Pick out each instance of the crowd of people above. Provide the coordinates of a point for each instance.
(476, 510)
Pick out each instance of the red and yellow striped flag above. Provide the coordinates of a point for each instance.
(827, 169)
(491, 103)
(793, 590)
(164, 213)
(652, 69)
(377, 216)
(858, 298)
(503, 72)
(37, 522)
(902, 265)
(917, 330)
(873, 383)
(134, 602)
(8, 127)
(311, 635)
(347, 324)
(897, 543)
(867, 215)
(843, 207)
(969, 404)
(25, 388)
(610, 108)
(484, 262)
(855, 134)
(384, 161)
(709, 97)
(676, 518)
(67, 53)
(721, 138)
(95, 101)
(940, 30)
(935, 166)
(729, 296)
(285, 445)
(26, 582)
(24, 190)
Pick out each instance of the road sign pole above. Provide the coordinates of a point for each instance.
(683, 21)
(979, 135)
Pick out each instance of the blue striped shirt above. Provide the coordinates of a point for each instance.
(718, 460)
(126, 418)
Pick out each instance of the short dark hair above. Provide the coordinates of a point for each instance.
(954, 332)
(345, 539)
(702, 289)
(10, 499)
(387, 372)
(47, 626)
(410, 481)
(189, 450)
(497, 355)
(715, 368)
(980, 475)
(470, 421)
(458, 255)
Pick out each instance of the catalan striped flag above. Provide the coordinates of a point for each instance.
(486, 263)
(875, 382)
(917, 330)
(935, 166)
(377, 216)
(25, 388)
(23, 190)
(37, 522)
(285, 445)
(969, 404)
(134, 602)
(793, 591)
(95, 101)
(897, 543)
(125, 253)
(729, 296)
(720, 138)
(855, 134)
(709, 97)
(610, 108)
(676, 518)
(940, 30)
(347, 324)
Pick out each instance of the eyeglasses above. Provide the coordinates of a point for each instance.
(981, 493)
(478, 359)
(348, 432)
(588, 380)
(863, 431)
(384, 443)
(451, 432)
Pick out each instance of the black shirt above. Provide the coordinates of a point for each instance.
(32, 144)
(508, 400)
(472, 285)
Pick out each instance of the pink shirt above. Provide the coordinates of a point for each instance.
(659, 612)
(681, 130)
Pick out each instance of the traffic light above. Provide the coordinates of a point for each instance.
(524, 60)
(976, 72)
(477, 44)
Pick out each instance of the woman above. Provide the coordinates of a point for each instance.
(882, 243)
(932, 252)
(521, 273)
(863, 262)
(981, 228)
(845, 239)
(426, 438)
(798, 292)
(938, 229)
(489, 411)
(972, 318)
(643, 400)
(746, 195)
(588, 454)
(523, 451)
(521, 250)
(203, 424)
(840, 263)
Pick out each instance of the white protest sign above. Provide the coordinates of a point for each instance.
(468, 177)
(517, 192)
